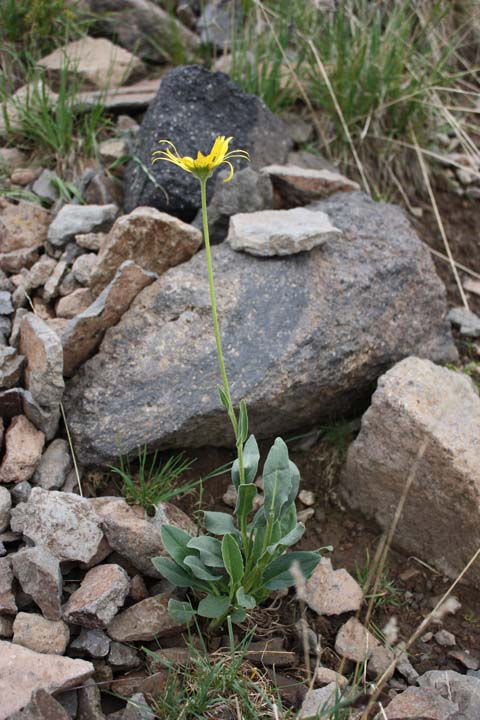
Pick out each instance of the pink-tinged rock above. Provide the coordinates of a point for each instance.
(7, 598)
(44, 367)
(97, 61)
(74, 304)
(147, 620)
(299, 185)
(96, 602)
(84, 333)
(168, 514)
(23, 450)
(23, 225)
(38, 573)
(420, 703)
(35, 632)
(13, 262)
(356, 643)
(129, 532)
(332, 592)
(42, 706)
(419, 405)
(152, 239)
(23, 671)
(63, 523)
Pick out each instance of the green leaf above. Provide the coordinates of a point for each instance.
(246, 601)
(245, 497)
(213, 607)
(288, 540)
(277, 575)
(172, 572)
(294, 482)
(251, 458)
(219, 523)
(210, 550)
(182, 612)
(242, 433)
(277, 479)
(175, 542)
(238, 615)
(199, 570)
(223, 397)
(233, 559)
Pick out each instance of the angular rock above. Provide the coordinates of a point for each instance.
(84, 333)
(23, 225)
(356, 643)
(91, 241)
(35, 671)
(333, 319)
(91, 643)
(53, 468)
(39, 273)
(214, 103)
(419, 703)
(130, 98)
(168, 514)
(281, 232)
(24, 445)
(42, 706)
(63, 523)
(53, 283)
(464, 690)
(14, 261)
(138, 709)
(89, 702)
(44, 367)
(38, 573)
(123, 657)
(17, 400)
(332, 592)
(10, 367)
(319, 702)
(97, 61)
(467, 322)
(129, 533)
(5, 507)
(44, 186)
(144, 28)
(325, 676)
(7, 598)
(153, 240)
(299, 186)
(96, 602)
(6, 307)
(74, 219)
(44, 636)
(146, 620)
(83, 267)
(248, 191)
(418, 402)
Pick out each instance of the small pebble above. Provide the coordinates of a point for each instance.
(307, 497)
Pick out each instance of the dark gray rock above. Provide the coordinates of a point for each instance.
(304, 337)
(54, 466)
(192, 107)
(10, 367)
(91, 644)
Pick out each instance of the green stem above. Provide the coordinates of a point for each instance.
(218, 342)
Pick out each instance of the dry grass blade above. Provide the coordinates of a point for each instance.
(72, 450)
(464, 268)
(338, 109)
(438, 218)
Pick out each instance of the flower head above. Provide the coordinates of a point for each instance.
(203, 165)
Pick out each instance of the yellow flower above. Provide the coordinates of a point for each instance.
(203, 165)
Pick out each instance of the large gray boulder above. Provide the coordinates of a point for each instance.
(304, 337)
(192, 107)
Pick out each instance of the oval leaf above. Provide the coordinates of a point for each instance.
(218, 523)
(244, 600)
(182, 612)
(232, 559)
(277, 575)
(213, 607)
(175, 542)
(199, 570)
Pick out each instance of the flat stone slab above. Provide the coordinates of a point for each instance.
(304, 337)
(280, 232)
